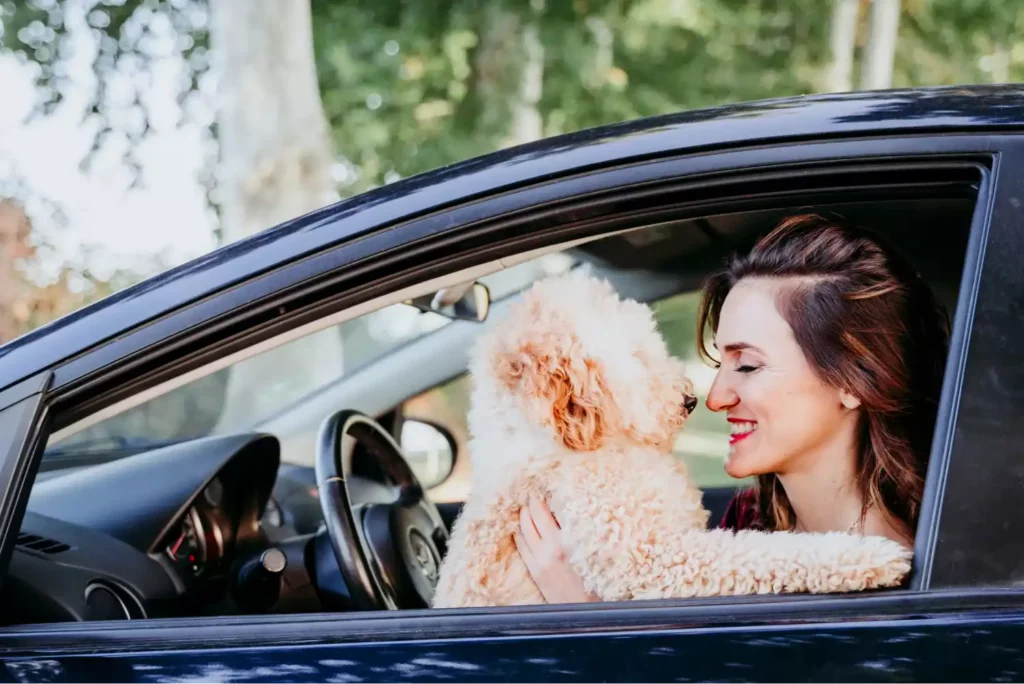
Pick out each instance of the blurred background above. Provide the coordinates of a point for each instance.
(138, 134)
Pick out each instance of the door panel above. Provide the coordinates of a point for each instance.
(962, 647)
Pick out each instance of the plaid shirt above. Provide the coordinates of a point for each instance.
(742, 513)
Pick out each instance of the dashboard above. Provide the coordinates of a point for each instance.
(175, 531)
(158, 534)
(195, 545)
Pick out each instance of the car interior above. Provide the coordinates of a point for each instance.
(228, 518)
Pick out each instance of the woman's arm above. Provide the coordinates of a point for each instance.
(539, 542)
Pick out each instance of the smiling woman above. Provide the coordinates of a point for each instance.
(832, 352)
(831, 355)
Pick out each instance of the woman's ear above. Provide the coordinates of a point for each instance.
(848, 400)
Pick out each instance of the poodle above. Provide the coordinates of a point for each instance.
(576, 399)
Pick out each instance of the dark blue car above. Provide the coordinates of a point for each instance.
(245, 469)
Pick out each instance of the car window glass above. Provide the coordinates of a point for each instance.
(242, 395)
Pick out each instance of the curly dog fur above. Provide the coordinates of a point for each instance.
(576, 399)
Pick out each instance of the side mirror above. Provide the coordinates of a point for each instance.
(465, 302)
(429, 450)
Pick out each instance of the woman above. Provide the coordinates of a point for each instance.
(832, 350)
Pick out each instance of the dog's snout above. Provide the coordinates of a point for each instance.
(689, 402)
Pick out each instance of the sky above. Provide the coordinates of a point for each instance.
(121, 226)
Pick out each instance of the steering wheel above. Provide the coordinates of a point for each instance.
(388, 549)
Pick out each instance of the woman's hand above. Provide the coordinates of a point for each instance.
(539, 541)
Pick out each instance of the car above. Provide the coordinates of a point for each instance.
(246, 468)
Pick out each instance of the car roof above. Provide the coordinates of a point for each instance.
(735, 125)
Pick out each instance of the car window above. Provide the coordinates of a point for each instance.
(248, 392)
(702, 443)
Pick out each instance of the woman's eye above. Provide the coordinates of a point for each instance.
(746, 369)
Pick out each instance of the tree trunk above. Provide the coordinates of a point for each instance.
(1000, 63)
(275, 165)
(274, 138)
(844, 41)
(881, 50)
(527, 124)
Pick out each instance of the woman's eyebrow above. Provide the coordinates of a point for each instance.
(741, 346)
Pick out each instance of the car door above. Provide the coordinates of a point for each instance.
(961, 629)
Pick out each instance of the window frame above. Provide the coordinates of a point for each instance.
(509, 223)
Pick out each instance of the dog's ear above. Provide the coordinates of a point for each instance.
(562, 389)
(577, 404)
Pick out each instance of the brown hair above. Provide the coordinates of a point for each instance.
(868, 324)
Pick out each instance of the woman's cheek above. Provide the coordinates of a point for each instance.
(758, 453)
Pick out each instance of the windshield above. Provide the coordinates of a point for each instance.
(235, 398)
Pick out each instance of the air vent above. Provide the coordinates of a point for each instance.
(106, 600)
(41, 544)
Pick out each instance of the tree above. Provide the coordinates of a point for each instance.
(845, 16)
(15, 248)
(274, 148)
(34, 289)
(276, 157)
(881, 49)
(947, 42)
(406, 87)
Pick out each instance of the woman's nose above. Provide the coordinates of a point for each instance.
(721, 397)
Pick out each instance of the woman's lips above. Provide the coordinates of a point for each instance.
(741, 429)
(733, 439)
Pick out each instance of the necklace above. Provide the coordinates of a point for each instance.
(855, 527)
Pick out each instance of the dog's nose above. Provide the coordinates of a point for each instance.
(689, 402)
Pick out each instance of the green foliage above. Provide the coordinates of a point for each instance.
(410, 86)
(950, 42)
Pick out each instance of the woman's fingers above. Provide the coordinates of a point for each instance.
(546, 524)
(539, 543)
(528, 529)
(524, 552)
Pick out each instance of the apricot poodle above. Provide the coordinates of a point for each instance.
(576, 399)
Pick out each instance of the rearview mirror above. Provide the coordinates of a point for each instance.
(463, 302)
(429, 451)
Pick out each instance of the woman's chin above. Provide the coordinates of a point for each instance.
(734, 466)
(740, 464)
